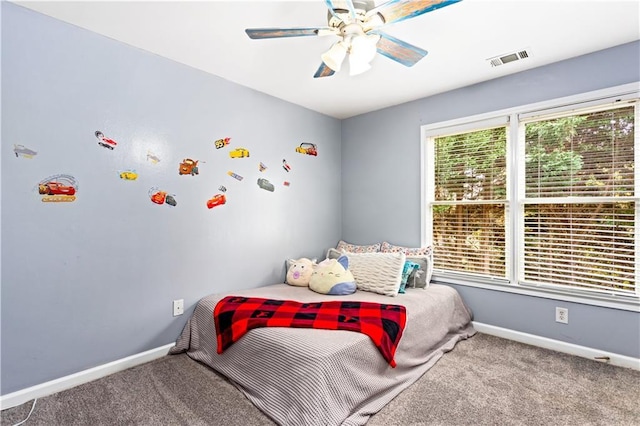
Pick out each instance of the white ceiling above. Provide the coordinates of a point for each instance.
(209, 35)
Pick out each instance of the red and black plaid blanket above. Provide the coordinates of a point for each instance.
(235, 315)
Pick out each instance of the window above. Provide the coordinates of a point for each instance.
(544, 200)
(579, 208)
(469, 201)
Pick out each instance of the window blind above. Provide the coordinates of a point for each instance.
(468, 202)
(579, 201)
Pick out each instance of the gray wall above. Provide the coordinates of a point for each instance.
(381, 187)
(92, 281)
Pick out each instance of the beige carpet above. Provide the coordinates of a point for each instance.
(484, 381)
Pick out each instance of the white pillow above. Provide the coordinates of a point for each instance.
(377, 272)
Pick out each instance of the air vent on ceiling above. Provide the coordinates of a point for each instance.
(510, 57)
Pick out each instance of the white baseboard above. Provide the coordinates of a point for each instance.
(557, 345)
(20, 397)
(57, 385)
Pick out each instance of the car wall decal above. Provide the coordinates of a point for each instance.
(308, 149)
(105, 141)
(152, 158)
(158, 196)
(235, 176)
(128, 175)
(58, 188)
(262, 167)
(23, 151)
(170, 200)
(239, 153)
(221, 143)
(286, 165)
(216, 200)
(266, 185)
(188, 167)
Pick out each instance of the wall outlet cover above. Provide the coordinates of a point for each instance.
(562, 315)
(178, 307)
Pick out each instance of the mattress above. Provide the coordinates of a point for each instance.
(299, 376)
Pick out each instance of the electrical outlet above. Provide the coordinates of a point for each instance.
(562, 315)
(178, 307)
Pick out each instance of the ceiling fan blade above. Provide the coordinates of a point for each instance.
(398, 50)
(259, 33)
(399, 10)
(323, 71)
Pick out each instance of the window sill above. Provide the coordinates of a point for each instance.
(620, 303)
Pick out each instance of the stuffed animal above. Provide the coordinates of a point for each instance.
(332, 276)
(299, 271)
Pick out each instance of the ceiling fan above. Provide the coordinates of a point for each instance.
(357, 23)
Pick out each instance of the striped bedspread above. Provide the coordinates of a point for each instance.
(234, 316)
(309, 376)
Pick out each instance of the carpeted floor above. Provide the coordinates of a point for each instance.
(484, 381)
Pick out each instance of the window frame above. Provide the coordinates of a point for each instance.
(489, 123)
(515, 204)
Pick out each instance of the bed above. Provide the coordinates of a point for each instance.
(308, 376)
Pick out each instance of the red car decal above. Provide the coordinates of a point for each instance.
(217, 200)
(55, 188)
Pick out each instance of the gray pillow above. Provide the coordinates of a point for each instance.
(334, 253)
(420, 278)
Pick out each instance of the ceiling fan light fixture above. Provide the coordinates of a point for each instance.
(364, 47)
(357, 66)
(361, 53)
(334, 56)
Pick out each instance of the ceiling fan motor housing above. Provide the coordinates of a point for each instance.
(341, 15)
